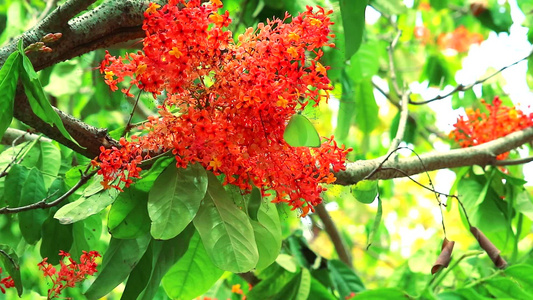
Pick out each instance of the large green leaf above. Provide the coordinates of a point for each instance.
(164, 255)
(383, 293)
(226, 230)
(10, 261)
(193, 274)
(353, 21)
(37, 98)
(319, 291)
(55, 236)
(175, 199)
(271, 287)
(15, 181)
(49, 162)
(9, 75)
(128, 217)
(86, 206)
(300, 132)
(344, 279)
(523, 274)
(118, 261)
(366, 112)
(140, 275)
(347, 107)
(31, 221)
(267, 231)
(147, 181)
(501, 287)
(365, 63)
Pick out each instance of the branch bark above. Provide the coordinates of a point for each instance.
(482, 155)
(119, 21)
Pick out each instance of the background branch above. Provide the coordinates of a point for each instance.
(484, 154)
(333, 233)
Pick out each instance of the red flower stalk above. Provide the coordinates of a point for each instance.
(70, 273)
(480, 127)
(5, 283)
(228, 103)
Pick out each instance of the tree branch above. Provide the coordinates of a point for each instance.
(484, 154)
(333, 233)
(43, 204)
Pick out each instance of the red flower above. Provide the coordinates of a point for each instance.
(70, 273)
(6, 283)
(227, 103)
(479, 128)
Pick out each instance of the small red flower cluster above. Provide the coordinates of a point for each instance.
(460, 39)
(480, 127)
(70, 273)
(6, 283)
(228, 103)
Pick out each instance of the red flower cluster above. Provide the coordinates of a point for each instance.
(480, 127)
(459, 40)
(6, 283)
(227, 103)
(70, 273)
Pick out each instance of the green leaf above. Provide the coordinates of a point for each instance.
(15, 181)
(164, 255)
(353, 21)
(389, 7)
(140, 275)
(49, 162)
(225, 230)
(367, 111)
(193, 274)
(118, 261)
(438, 4)
(31, 221)
(55, 236)
(9, 75)
(347, 107)
(37, 98)
(86, 206)
(375, 226)
(272, 287)
(344, 279)
(300, 132)
(65, 79)
(523, 274)
(365, 191)
(287, 262)
(254, 203)
(176, 192)
(319, 291)
(365, 63)
(267, 231)
(383, 293)
(147, 181)
(10, 261)
(128, 217)
(501, 287)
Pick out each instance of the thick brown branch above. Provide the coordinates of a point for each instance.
(484, 154)
(333, 233)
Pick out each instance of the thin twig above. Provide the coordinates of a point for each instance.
(513, 162)
(333, 233)
(462, 88)
(43, 204)
(402, 123)
(392, 69)
(50, 4)
(128, 125)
